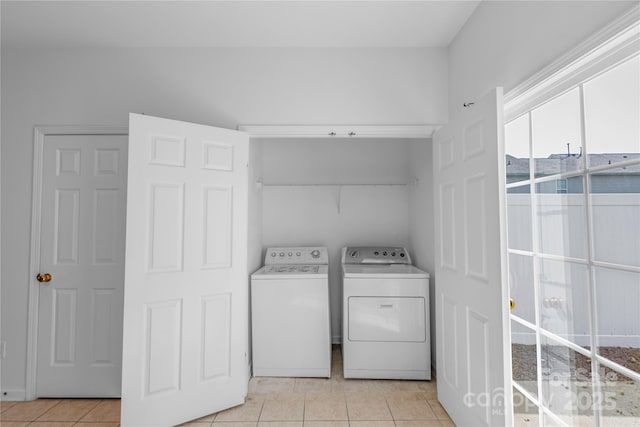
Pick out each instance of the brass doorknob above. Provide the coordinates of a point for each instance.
(512, 304)
(44, 278)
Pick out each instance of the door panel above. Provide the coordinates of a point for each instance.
(216, 310)
(217, 214)
(469, 267)
(82, 247)
(186, 292)
(166, 224)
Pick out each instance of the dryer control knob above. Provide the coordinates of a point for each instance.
(281, 253)
(315, 253)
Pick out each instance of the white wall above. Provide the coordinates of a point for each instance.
(310, 207)
(505, 42)
(222, 87)
(335, 161)
(421, 225)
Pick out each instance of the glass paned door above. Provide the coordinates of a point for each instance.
(573, 225)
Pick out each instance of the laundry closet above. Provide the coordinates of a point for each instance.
(340, 191)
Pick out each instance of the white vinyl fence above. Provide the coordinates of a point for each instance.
(562, 239)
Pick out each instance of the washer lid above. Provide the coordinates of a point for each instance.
(386, 271)
(292, 271)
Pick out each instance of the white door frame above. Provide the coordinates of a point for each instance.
(39, 135)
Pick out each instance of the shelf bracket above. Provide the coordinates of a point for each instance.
(338, 196)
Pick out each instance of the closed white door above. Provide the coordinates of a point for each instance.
(82, 248)
(186, 279)
(470, 307)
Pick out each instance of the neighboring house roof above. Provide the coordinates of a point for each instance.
(559, 163)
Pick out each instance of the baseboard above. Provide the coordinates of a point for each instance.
(336, 339)
(13, 395)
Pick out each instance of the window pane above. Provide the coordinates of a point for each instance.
(525, 412)
(521, 286)
(615, 215)
(516, 136)
(524, 357)
(612, 111)
(557, 144)
(561, 219)
(618, 315)
(624, 180)
(519, 230)
(564, 300)
(572, 185)
(547, 421)
(566, 383)
(620, 396)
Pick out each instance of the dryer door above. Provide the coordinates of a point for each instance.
(387, 319)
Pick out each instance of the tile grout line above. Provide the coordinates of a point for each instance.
(42, 414)
(393, 418)
(304, 408)
(66, 421)
(260, 414)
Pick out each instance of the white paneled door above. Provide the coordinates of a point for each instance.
(186, 279)
(470, 307)
(82, 249)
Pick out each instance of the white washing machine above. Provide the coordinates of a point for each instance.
(291, 325)
(385, 315)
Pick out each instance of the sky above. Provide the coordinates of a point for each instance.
(612, 113)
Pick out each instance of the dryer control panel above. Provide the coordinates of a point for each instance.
(375, 255)
(297, 255)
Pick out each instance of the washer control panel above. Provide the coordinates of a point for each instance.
(375, 255)
(297, 255)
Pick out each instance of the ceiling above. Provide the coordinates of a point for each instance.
(117, 24)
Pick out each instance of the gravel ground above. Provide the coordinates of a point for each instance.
(568, 379)
(558, 357)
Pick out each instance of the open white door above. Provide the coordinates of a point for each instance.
(469, 217)
(186, 279)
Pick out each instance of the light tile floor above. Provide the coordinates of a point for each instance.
(271, 402)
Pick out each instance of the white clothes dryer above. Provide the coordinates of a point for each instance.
(291, 325)
(385, 315)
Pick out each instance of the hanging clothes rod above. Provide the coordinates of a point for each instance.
(337, 188)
